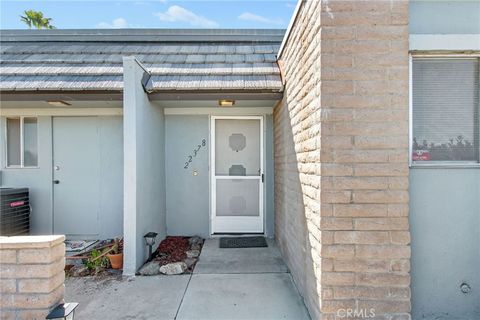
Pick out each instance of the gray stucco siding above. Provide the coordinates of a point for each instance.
(445, 201)
(444, 17)
(39, 180)
(188, 196)
(444, 225)
(144, 200)
(111, 177)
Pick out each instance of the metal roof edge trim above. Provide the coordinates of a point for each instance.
(143, 35)
(289, 28)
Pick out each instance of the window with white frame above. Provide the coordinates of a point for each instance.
(22, 142)
(445, 110)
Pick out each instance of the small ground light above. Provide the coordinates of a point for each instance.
(150, 240)
(64, 311)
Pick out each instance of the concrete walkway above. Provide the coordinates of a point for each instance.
(250, 283)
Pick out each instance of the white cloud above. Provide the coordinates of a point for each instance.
(115, 24)
(179, 14)
(247, 16)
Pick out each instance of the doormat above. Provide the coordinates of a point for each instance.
(243, 242)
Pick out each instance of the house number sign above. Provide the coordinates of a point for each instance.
(195, 152)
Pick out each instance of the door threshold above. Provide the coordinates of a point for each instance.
(240, 234)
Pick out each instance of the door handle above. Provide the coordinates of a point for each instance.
(56, 181)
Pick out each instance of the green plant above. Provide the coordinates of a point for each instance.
(116, 246)
(97, 261)
(36, 19)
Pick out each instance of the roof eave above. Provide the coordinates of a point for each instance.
(117, 95)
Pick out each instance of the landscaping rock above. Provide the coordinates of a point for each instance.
(174, 268)
(196, 246)
(150, 269)
(193, 253)
(79, 271)
(190, 262)
(195, 240)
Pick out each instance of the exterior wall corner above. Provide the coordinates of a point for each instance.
(144, 148)
(341, 157)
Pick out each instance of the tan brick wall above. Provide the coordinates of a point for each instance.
(346, 70)
(297, 156)
(31, 276)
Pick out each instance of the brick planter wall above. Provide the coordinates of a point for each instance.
(31, 276)
(341, 157)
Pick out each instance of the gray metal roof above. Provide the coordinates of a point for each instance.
(178, 60)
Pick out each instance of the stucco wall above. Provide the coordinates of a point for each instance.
(188, 204)
(187, 195)
(39, 180)
(445, 220)
(111, 177)
(144, 168)
(444, 17)
(445, 203)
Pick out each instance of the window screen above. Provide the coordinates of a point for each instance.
(30, 142)
(22, 142)
(445, 110)
(13, 142)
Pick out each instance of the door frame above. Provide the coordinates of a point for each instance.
(213, 195)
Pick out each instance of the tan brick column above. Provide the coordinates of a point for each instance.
(364, 159)
(31, 276)
(341, 158)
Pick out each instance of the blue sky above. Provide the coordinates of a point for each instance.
(69, 14)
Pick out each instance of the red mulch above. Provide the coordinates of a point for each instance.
(172, 249)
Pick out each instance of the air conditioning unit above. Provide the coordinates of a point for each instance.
(14, 212)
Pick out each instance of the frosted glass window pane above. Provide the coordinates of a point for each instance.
(237, 197)
(30, 152)
(445, 110)
(237, 147)
(13, 142)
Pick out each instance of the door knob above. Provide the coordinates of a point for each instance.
(56, 181)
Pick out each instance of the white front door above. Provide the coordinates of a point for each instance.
(237, 174)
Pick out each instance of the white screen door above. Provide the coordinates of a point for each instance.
(237, 174)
